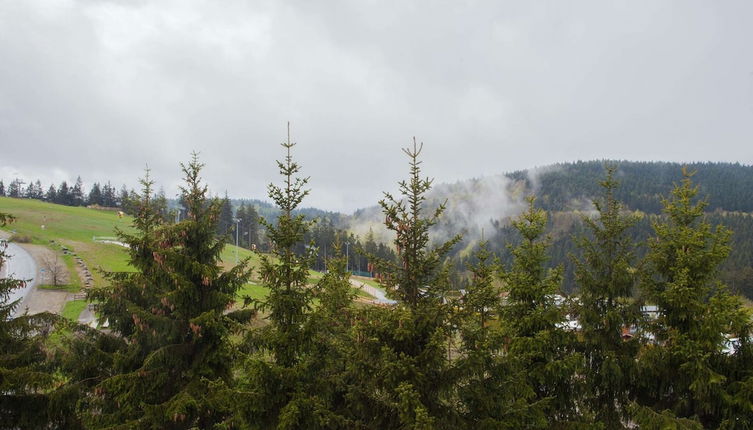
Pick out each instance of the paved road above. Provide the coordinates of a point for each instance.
(20, 265)
(376, 292)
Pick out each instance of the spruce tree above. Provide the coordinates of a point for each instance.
(492, 387)
(63, 195)
(27, 376)
(400, 361)
(95, 195)
(607, 277)
(532, 320)
(226, 222)
(77, 193)
(15, 188)
(278, 373)
(176, 369)
(52, 194)
(683, 374)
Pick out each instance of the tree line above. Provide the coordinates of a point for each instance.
(105, 195)
(243, 219)
(510, 351)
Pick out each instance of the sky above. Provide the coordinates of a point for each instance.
(102, 89)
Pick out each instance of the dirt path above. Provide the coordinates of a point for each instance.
(39, 300)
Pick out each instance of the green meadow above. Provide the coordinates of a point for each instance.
(56, 226)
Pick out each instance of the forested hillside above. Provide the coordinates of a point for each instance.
(509, 351)
(567, 186)
(567, 190)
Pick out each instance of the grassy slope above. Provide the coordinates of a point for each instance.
(74, 227)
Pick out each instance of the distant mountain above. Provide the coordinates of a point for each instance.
(729, 186)
(482, 207)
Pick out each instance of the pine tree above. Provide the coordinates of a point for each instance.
(77, 193)
(108, 196)
(278, 375)
(95, 195)
(532, 320)
(400, 360)
(176, 369)
(63, 195)
(683, 374)
(51, 195)
(2, 189)
(29, 194)
(38, 191)
(492, 387)
(607, 278)
(27, 378)
(15, 188)
(226, 223)
(251, 222)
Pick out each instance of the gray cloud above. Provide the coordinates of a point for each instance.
(101, 89)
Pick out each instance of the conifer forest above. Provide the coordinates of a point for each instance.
(565, 244)
(627, 321)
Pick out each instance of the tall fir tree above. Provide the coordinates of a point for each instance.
(95, 195)
(108, 195)
(15, 188)
(278, 374)
(492, 387)
(77, 193)
(607, 278)
(226, 222)
(400, 360)
(63, 195)
(27, 377)
(176, 369)
(683, 374)
(533, 322)
(52, 194)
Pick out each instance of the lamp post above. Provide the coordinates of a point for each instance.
(237, 221)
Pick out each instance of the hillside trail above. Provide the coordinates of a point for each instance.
(42, 300)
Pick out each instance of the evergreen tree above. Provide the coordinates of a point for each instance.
(95, 195)
(226, 223)
(2, 188)
(27, 379)
(77, 193)
(492, 387)
(532, 320)
(108, 196)
(29, 193)
(277, 376)
(52, 194)
(683, 374)
(15, 188)
(63, 195)
(607, 278)
(176, 369)
(250, 226)
(400, 361)
(38, 191)
(160, 206)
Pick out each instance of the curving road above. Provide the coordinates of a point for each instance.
(20, 265)
(378, 294)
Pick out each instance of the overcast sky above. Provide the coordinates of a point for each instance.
(102, 88)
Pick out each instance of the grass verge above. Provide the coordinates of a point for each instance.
(73, 309)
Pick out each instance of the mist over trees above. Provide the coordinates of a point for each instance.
(649, 335)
